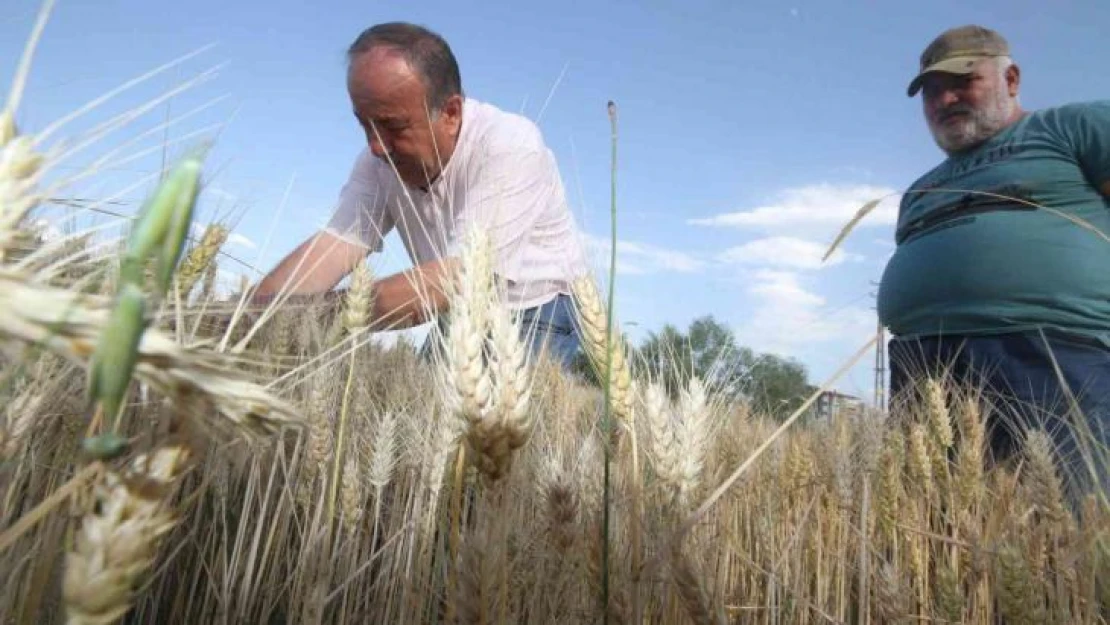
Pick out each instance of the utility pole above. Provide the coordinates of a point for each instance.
(880, 367)
(880, 357)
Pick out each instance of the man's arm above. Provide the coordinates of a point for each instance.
(314, 267)
(413, 296)
(402, 300)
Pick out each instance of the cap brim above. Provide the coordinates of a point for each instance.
(955, 65)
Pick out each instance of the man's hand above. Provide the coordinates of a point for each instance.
(1105, 188)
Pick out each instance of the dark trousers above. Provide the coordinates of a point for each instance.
(1057, 383)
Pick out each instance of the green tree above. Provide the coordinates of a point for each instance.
(708, 349)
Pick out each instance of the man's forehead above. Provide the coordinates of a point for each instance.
(383, 79)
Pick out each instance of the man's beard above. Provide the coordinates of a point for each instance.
(979, 125)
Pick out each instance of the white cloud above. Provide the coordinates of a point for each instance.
(635, 258)
(822, 205)
(233, 238)
(790, 320)
(238, 239)
(788, 252)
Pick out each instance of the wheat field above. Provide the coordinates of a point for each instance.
(194, 464)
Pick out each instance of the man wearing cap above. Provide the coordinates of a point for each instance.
(1001, 274)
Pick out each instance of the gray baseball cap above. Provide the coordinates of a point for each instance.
(957, 50)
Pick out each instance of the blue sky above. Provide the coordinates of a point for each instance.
(749, 132)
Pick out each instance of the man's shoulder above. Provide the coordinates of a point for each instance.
(1064, 116)
(498, 131)
(1081, 107)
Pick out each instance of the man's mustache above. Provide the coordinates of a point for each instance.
(955, 109)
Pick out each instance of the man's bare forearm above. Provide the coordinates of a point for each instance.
(411, 297)
(314, 267)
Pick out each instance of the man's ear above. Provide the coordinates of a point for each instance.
(1013, 79)
(451, 113)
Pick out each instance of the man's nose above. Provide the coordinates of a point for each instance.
(377, 145)
(948, 97)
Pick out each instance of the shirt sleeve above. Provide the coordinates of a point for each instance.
(361, 215)
(1088, 132)
(507, 199)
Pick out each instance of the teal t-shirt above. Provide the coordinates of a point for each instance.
(972, 264)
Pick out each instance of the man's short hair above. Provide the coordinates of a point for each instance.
(425, 51)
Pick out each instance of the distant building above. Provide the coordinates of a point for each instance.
(832, 404)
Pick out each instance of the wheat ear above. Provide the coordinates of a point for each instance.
(468, 391)
(117, 542)
(692, 591)
(197, 262)
(1041, 479)
(591, 314)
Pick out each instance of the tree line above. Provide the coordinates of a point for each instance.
(768, 383)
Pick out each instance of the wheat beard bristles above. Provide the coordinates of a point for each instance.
(200, 382)
(117, 542)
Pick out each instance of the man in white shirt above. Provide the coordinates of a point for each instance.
(438, 162)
